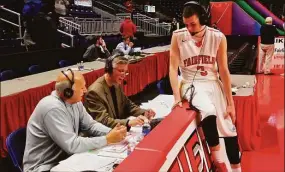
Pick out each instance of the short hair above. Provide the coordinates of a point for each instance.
(190, 10)
(126, 37)
(268, 20)
(119, 60)
(96, 38)
(62, 85)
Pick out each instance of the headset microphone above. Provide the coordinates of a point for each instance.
(194, 33)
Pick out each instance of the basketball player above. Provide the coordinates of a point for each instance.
(199, 51)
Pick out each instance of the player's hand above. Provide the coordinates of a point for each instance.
(231, 112)
(177, 103)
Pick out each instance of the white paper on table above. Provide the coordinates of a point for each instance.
(117, 148)
(167, 100)
(87, 161)
(122, 155)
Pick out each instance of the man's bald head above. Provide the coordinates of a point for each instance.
(62, 82)
(77, 76)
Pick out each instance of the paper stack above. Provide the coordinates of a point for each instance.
(161, 105)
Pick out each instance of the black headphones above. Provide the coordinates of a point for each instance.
(109, 61)
(68, 92)
(204, 17)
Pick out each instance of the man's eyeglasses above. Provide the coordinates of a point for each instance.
(122, 71)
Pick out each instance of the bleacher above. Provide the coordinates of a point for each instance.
(83, 12)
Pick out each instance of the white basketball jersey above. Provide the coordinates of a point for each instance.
(201, 57)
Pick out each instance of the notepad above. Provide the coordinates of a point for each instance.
(81, 162)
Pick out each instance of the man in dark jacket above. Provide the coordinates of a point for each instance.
(106, 101)
(97, 50)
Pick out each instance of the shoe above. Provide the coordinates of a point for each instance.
(220, 167)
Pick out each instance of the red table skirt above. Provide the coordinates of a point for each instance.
(17, 108)
(248, 122)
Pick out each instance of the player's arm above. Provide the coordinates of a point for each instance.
(224, 70)
(173, 68)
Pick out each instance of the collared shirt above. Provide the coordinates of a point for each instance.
(53, 133)
(124, 48)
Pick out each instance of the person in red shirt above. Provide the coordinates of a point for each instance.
(128, 28)
(129, 6)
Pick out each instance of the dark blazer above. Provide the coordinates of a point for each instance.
(99, 104)
(93, 52)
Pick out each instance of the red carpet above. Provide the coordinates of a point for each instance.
(270, 157)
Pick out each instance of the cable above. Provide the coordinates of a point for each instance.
(192, 87)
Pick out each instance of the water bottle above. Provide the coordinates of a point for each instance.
(130, 148)
(146, 128)
(81, 66)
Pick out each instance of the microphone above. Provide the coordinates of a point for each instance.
(124, 82)
(194, 33)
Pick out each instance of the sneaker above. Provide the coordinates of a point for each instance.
(220, 167)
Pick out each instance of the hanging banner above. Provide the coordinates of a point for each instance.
(278, 57)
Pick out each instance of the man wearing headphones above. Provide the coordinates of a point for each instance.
(54, 126)
(106, 101)
(199, 51)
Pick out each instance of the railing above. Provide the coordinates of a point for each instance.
(19, 25)
(69, 24)
(123, 16)
(151, 26)
(99, 26)
(69, 35)
(95, 26)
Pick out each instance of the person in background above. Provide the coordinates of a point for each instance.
(268, 32)
(106, 101)
(30, 10)
(60, 7)
(53, 130)
(125, 47)
(128, 28)
(129, 6)
(173, 25)
(97, 50)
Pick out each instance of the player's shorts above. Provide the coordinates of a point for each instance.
(210, 99)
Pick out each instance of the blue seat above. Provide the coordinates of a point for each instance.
(7, 74)
(64, 63)
(35, 69)
(16, 142)
(164, 87)
(160, 87)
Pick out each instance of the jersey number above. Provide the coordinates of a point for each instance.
(202, 70)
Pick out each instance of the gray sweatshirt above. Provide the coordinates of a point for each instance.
(52, 133)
